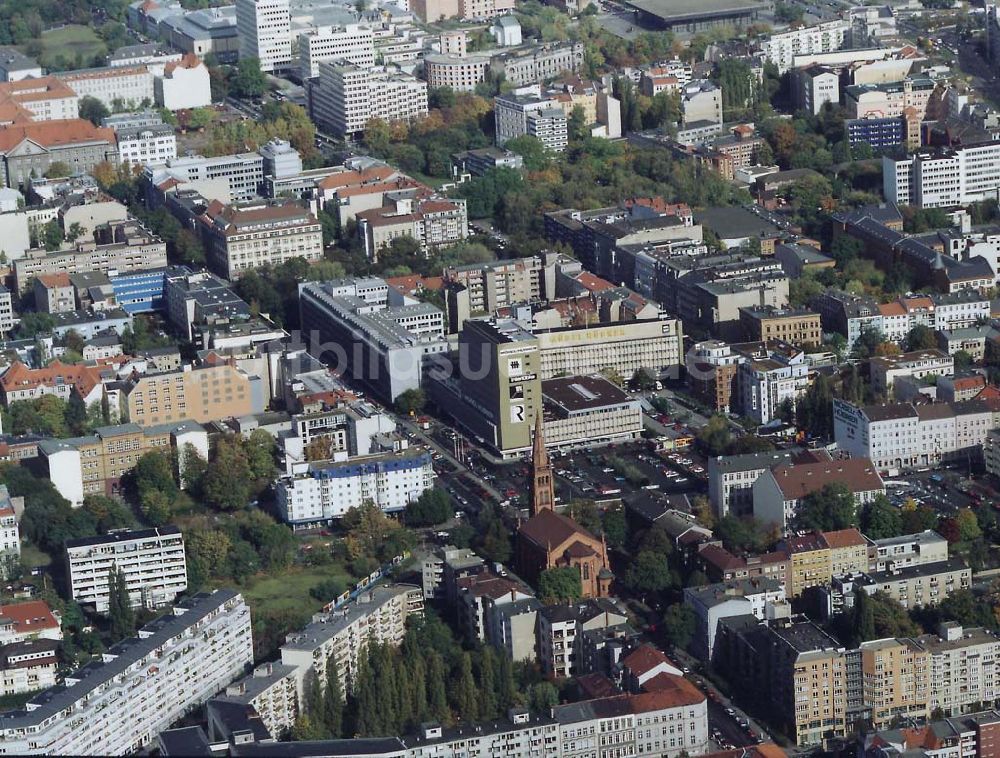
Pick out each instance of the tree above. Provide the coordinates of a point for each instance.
(199, 118)
(701, 507)
(227, 481)
(679, 624)
(34, 323)
(93, 110)
(57, 170)
(437, 696)
(543, 697)
(411, 402)
(156, 507)
(715, 435)
(827, 509)
(741, 535)
(643, 379)
(52, 234)
(560, 584)
(650, 572)
(921, 337)
(614, 526)
(333, 700)
(120, 611)
(815, 408)
(466, 700)
(433, 507)
(249, 81)
(864, 616)
(531, 149)
(154, 472)
(880, 519)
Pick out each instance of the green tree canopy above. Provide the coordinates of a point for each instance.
(561, 584)
(827, 509)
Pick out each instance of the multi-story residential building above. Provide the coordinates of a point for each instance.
(780, 491)
(432, 221)
(377, 614)
(264, 28)
(346, 97)
(95, 464)
(381, 337)
(478, 162)
(902, 436)
(152, 561)
(731, 479)
(242, 237)
(185, 657)
(737, 597)
(442, 570)
(10, 535)
(243, 171)
(184, 84)
(73, 142)
(710, 373)
(559, 626)
(30, 620)
(44, 98)
(919, 585)
(7, 320)
(701, 102)
(270, 690)
(316, 493)
(19, 382)
(797, 327)
(908, 550)
(129, 87)
(120, 247)
(943, 177)
(354, 43)
(781, 48)
(200, 394)
(971, 736)
(885, 370)
(815, 87)
(847, 314)
(479, 598)
(531, 114)
(895, 680)
(15, 66)
(963, 668)
(774, 375)
(146, 144)
(54, 293)
(28, 666)
(478, 288)
(907, 98)
(539, 63)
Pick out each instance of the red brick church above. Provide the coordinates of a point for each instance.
(551, 540)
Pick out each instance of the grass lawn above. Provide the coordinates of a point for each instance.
(32, 557)
(290, 591)
(70, 41)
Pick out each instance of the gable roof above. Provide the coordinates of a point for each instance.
(54, 134)
(30, 617)
(798, 481)
(550, 529)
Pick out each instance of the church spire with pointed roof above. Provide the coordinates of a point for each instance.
(543, 489)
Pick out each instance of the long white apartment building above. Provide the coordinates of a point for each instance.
(140, 145)
(943, 177)
(117, 87)
(781, 48)
(908, 550)
(964, 667)
(902, 436)
(119, 703)
(354, 43)
(264, 28)
(152, 561)
(346, 97)
(379, 614)
(243, 171)
(317, 493)
(541, 117)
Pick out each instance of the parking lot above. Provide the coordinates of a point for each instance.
(944, 490)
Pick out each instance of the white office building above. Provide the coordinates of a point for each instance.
(816, 86)
(903, 436)
(541, 117)
(346, 97)
(731, 478)
(944, 177)
(781, 49)
(119, 703)
(118, 87)
(354, 43)
(152, 561)
(320, 492)
(264, 28)
(243, 171)
(140, 145)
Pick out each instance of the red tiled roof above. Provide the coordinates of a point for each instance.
(56, 133)
(593, 283)
(30, 617)
(721, 558)
(190, 60)
(59, 279)
(797, 481)
(666, 691)
(644, 659)
(844, 538)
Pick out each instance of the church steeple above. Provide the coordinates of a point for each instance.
(543, 490)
